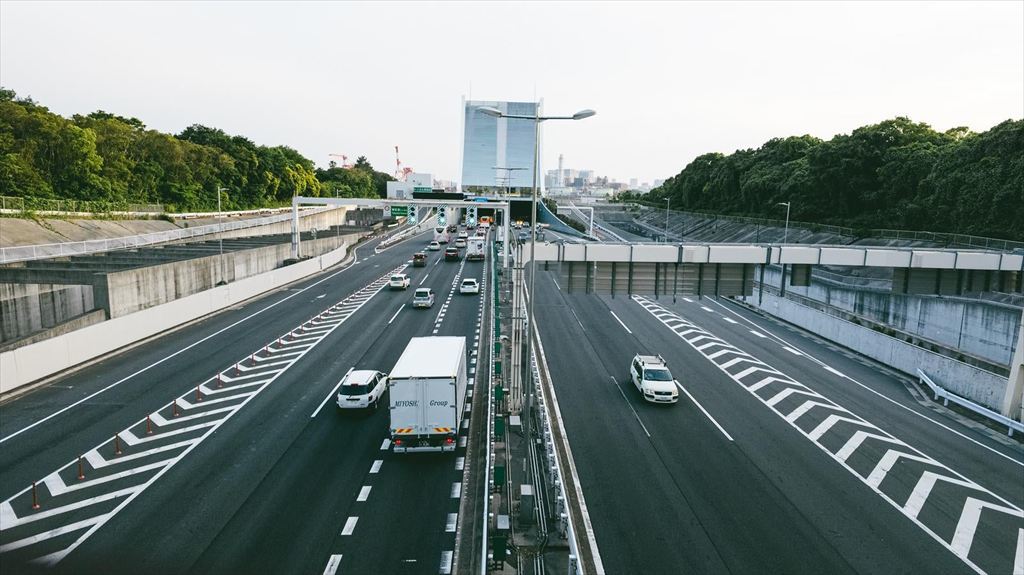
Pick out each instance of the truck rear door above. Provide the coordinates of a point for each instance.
(406, 407)
(440, 407)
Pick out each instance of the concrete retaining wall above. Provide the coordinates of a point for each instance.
(977, 385)
(983, 329)
(30, 363)
(28, 308)
(141, 288)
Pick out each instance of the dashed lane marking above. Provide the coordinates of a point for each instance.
(350, 526)
(364, 493)
(332, 565)
(375, 468)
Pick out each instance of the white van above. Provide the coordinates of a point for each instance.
(651, 376)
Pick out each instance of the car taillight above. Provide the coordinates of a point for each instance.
(398, 442)
(449, 440)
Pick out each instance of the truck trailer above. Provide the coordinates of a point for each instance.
(475, 248)
(427, 390)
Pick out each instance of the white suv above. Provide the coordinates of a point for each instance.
(469, 285)
(361, 389)
(651, 376)
(399, 281)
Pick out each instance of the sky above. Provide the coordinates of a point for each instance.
(669, 81)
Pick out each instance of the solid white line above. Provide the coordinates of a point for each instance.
(424, 279)
(400, 308)
(704, 411)
(331, 394)
(332, 565)
(350, 526)
(556, 282)
(159, 361)
(375, 468)
(620, 322)
(577, 319)
(364, 493)
(883, 396)
(630, 405)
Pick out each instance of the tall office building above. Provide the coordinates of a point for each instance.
(489, 143)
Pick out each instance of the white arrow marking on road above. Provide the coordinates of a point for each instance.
(968, 523)
(332, 565)
(858, 438)
(886, 463)
(99, 462)
(55, 483)
(807, 406)
(831, 420)
(924, 488)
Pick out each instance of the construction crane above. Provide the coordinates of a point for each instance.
(400, 173)
(344, 160)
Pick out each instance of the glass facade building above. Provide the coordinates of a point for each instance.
(489, 143)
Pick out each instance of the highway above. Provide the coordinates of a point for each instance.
(783, 455)
(255, 471)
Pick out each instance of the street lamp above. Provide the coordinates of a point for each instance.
(785, 235)
(668, 202)
(220, 235)
(537, 119)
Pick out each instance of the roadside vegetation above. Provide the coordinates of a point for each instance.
(897, 174)
(117, 161)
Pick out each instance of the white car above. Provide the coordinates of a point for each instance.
(651, 376)
(399, 281)
(460, 243)
(362, 389)
(434, 246)
(469, 285)
(424, 297)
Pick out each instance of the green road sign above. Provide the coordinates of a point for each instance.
(399, 211)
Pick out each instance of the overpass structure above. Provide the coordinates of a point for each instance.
(726, 269)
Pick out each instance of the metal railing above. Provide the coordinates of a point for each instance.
(948, 239)
(21, 204)
(66, 249)
(948, 396)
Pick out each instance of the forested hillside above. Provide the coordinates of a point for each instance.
(896, 174)
(103, 157)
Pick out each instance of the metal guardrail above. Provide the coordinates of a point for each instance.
(949, 239)
(565, 526)
(947, 396)
(65, 249)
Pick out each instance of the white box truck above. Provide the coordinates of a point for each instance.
(475, 249)
(427, 390)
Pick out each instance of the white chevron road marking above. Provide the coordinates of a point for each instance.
(973, 507)
(163, 427)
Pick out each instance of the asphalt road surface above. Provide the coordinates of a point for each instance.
(263, 474)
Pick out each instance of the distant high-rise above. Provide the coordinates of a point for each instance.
(489, 143)
(561, 174)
